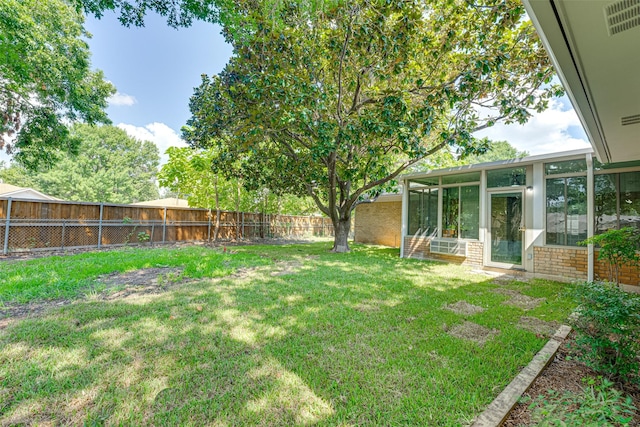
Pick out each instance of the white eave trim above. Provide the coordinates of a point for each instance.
(556, 38)
(524, 161)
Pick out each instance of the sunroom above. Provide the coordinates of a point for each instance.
(526, 214)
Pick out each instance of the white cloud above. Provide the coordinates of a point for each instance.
(122, 100)
(158, 133)
(555, 129)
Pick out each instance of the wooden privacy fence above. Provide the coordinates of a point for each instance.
(28, 225)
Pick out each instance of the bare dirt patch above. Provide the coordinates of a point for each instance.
(538, 326)
(287, 268)
(112, 286)
(519, 300)
(472, 332)
(464, 308)
(139, 282)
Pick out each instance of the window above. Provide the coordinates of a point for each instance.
(511, 177)
(423, 212)
(617, 201)
(566, 210)
(450, 211)
(461, 178)
(567, 166)
(461, 212)
(470, 212)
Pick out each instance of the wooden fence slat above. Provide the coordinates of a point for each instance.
(42, 225)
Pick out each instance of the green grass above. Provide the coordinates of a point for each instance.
(338, 340)
(70, 276)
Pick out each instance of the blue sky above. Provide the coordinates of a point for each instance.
(155, 69)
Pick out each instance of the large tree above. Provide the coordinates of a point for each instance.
(335, 102)
(110, 167)
(45, 79)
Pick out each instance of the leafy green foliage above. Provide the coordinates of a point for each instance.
(496, 150)
(179, 13)
(46, 80)
(608, 324)
(336, 101)
(190, 173)
(599, 405)
(109, 167)
(617, 248)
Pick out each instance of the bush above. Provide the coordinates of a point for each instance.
(607, 321)
(143, 237)
(598, 405)
(617, 248)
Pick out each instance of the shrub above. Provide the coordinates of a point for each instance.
(607, 321)
(598, 405)
(143, 237)
(617, 248)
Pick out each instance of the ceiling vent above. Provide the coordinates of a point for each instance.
(630, 120)
(622, 16)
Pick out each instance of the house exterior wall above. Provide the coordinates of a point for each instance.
(544, 251)
(572, 263)
(419, 247)
(569, 262)
(379, 223)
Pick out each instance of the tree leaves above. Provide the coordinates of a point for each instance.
(45, 80)
(109, 166)
(341, 100)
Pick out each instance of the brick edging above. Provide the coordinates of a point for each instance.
(498, 410)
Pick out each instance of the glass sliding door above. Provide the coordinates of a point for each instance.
(506, 228)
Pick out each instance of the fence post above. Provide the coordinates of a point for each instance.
(6, 227)
(164, 226)
(100, 226)
(64, 226)
(242, 224)
(153, 227)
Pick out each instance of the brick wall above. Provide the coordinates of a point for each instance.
(419, 247)
(628, 275)
(379, 223)
(572, 263)
(566, 262)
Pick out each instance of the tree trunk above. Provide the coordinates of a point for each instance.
(341, 229)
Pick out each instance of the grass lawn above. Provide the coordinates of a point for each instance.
(298, 336)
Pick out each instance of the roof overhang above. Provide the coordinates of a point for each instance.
(595, 47)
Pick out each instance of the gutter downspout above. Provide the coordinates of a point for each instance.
(404, 210)
(590, 216)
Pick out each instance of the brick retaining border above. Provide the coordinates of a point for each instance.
(498, 410)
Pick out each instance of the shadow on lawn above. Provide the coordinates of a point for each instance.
(333, 341)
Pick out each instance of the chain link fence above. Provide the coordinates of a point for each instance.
(23, 234)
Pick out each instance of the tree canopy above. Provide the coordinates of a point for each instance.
(497, 150)
(110, 167)
(179, 13)
(45, 79)
(190, 173)
(336, 102)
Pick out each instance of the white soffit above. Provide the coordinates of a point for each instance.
(595, 47)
